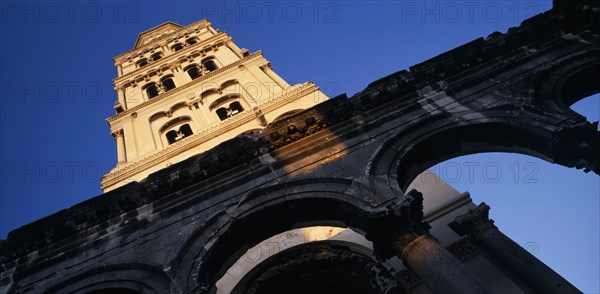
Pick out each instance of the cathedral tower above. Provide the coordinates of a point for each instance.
(183, 90)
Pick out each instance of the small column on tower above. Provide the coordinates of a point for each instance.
(118, 135)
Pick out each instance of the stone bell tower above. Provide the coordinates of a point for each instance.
(183, 90)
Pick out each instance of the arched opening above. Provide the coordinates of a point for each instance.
(177, 47)
(424, 151)
(232, 109)
(582, 83)
(176, 135)
(151, 90)
(191, 41)
(210, 65)
(175, 130)
(256, 256)
(156, 56)
(142, 62)
(317, 267)
(168, 83)
(588, 107)
(193, 71)
(306, 207)
(531, 200)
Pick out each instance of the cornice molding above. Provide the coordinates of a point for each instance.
(171, 59)
(181, 32)
(183, 87)
(125, 171)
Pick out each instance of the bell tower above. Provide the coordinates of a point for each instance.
(183, 90)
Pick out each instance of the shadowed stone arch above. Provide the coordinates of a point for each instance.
(402, 158)
(350, 268)
(224, 238)
(570, 81)
(142, 278)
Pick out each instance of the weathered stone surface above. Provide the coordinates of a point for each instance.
(342, 162)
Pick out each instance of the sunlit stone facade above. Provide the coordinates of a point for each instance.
(183, 90)
(215, 193)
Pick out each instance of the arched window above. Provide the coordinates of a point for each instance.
(142, 62)
(191, 41)
(226, 112)
(151, 90)
(168, 83)
(156, 56)
(193, 71)
(210, 65)
(177, 47)
(178, 134)
(222, 113)
(235, 107)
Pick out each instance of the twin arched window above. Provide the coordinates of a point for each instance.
(178, 134)
(142, 62)
(232, 109)
(194, 70)
(152, 89)
(191, 41)
(156, 56)
(177, 47)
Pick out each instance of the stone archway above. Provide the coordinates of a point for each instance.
(214, 248)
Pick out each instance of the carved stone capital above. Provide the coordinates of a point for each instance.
(403, 224)
(266, 66)
(476, 220)
(117, 134)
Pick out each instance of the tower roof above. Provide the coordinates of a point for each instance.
(155, 32)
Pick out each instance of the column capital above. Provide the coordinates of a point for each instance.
(117, 134)
(403, 224)
(265, 66)
(476, 220)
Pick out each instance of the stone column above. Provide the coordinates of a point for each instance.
(438, 269)
(531, 270)
(121, 96)
(274, 77)
(118, 135)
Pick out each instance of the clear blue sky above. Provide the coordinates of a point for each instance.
(56, 72)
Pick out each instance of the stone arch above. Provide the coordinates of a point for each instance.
(173, 122)
(403, 157)
(142, 278)
(157, 115)
(224, 99)
(177, 106)
(228, 83)
(571, 80)
(209, 92)
(212, 249)
(349, 268)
